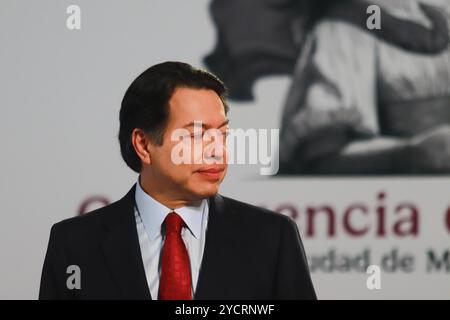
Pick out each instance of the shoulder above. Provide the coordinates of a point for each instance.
(259, 230)
(248, 214)
(88, 224)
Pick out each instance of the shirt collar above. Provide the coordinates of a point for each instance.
(153, 214)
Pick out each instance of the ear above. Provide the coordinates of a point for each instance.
(141, 143)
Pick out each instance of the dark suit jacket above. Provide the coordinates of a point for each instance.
(250, 253)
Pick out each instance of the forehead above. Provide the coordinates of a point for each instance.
(188, 104)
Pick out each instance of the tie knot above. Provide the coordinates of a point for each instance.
(173, 223)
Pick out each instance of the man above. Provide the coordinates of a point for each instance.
(173, 236)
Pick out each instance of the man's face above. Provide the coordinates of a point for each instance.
(206, 168)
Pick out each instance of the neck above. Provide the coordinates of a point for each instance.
(164, 194)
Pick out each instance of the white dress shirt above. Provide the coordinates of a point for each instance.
(150, 215)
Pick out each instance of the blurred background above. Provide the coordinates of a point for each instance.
(360, 93)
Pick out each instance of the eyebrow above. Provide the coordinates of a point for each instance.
(206, 125)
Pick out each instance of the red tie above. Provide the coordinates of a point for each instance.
(175, 280)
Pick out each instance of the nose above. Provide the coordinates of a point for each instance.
(216, 147)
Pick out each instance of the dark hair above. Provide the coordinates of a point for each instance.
(145, 104)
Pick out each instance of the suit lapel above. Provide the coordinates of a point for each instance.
(122, 250)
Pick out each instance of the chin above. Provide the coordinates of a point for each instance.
(206, 190)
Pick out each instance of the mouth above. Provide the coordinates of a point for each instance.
(212, 173)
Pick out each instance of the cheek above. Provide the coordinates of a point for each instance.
(184, 152)
(178, 171)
